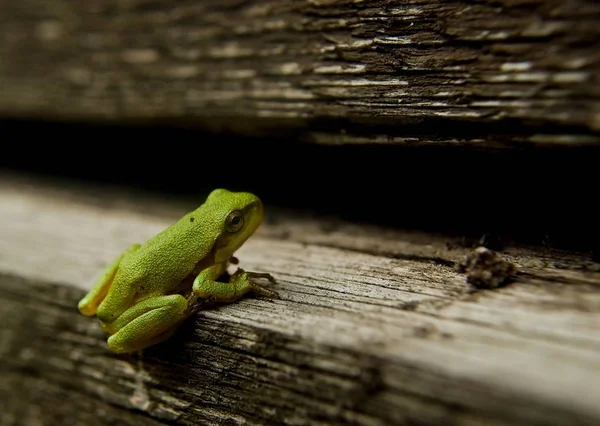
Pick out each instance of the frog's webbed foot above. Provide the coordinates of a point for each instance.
(252, 277)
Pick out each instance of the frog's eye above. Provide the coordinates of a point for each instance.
(234, 221)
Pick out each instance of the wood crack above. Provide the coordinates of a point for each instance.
(394, 255)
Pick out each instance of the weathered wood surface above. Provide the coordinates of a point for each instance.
(374, 327)
(335, 71)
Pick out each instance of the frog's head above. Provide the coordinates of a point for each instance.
(238, 214)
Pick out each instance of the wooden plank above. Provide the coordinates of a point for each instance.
(374, 327)
(336, 71)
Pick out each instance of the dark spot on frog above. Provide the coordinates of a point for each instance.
(191, 219)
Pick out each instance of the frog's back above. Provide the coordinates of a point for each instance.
(166, 259)
(160, 265)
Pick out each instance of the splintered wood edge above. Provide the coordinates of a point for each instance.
(380, 294)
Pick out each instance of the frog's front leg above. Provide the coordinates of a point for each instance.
(88, 305)
(240, 283)
(148, 322)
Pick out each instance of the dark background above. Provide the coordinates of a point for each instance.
(539, 195)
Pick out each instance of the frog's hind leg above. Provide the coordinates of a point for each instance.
(149, 322)
(90, 302)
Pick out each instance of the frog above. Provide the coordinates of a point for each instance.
(142, 297)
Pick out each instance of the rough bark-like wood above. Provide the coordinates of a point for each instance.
(331, 71)
(374, 327)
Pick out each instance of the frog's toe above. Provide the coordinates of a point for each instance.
(263, 275)
(265, 292)
(259, 289)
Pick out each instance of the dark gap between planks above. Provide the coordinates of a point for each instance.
(539, 195)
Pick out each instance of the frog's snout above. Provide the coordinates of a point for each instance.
(259, 208)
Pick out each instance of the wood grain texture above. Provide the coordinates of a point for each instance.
(327, 71)
(375, 327)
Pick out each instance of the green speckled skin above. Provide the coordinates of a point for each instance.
(150, 289)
